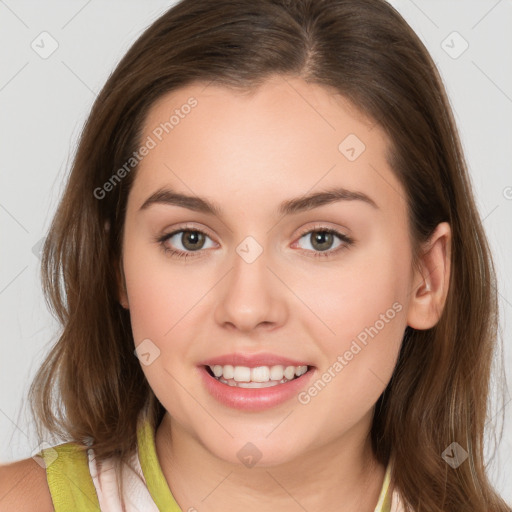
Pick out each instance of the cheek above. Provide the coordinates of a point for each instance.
(362, 308)
(165, 298)
(161, 291)
(368, 320)
(161, 297)
(357, 293)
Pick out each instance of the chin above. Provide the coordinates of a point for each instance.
(254, 450)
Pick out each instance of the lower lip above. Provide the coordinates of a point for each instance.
(254, 399)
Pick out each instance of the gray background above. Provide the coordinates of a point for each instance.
(44, 102)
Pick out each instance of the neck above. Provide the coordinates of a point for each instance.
(342, 476)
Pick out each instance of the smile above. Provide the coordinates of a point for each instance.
(257, 377)
(255, 388)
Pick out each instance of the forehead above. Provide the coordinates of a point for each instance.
(284, 138)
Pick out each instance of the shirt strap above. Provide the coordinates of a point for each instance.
(384, 501)
(69, 479)
(155, 480)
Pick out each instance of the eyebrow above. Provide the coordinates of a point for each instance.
(167, 196)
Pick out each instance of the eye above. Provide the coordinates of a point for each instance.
(193, 241)
(190, 240)
(322, 238)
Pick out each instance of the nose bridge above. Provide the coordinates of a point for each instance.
(249, 295)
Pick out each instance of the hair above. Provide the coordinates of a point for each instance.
(91, 388)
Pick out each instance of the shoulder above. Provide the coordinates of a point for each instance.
(23, 487)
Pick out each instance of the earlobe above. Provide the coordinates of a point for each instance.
(430, 284)
(120, 280)
(124, 302)
(121, 287)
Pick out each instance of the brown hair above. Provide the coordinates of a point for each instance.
(365, 51)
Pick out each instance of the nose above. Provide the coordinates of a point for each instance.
(251, 296)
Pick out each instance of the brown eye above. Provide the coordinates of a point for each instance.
(192, 240)
(184, 242)
(321, 241)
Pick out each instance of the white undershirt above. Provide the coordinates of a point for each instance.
(136, 494)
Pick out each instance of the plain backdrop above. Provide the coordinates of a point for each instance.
(56, 56)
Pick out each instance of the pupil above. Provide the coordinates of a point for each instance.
(324, 239)
(194, 237)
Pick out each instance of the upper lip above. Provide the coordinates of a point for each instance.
(252, 360)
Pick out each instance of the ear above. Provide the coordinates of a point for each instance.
(121, 286)
(120, 280)
(431, 281)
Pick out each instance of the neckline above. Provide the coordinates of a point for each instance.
(151, 469)
(162, 495)
(385, 496)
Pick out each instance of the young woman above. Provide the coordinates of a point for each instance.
(275, 289)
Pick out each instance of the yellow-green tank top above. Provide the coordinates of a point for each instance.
(72, 487)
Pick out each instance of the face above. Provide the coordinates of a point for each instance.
(266, 278)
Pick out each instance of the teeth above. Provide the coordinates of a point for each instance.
(300, 370)
(242, 374)
(227, 371)
(289, 372)
(260, 376)
(268, 384)
(276, 372)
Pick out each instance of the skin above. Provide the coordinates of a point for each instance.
(247, 153)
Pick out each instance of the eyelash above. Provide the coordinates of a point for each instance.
(317, 254)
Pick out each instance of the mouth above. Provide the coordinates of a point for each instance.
(256, 377)
(255, 382)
